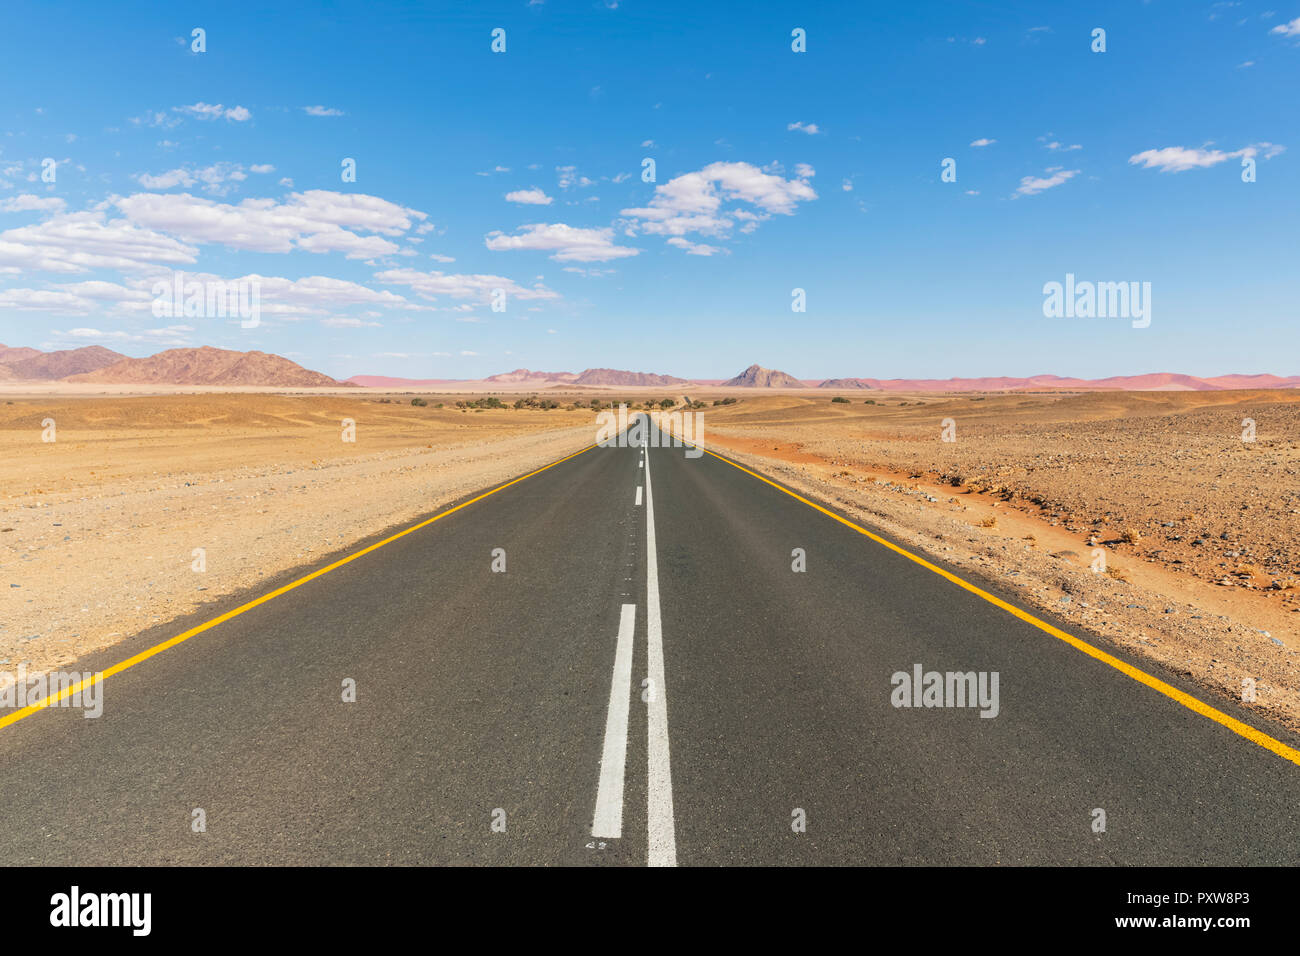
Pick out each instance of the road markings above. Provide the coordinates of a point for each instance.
(1142, 677)
(662, 833)
(638, 494)
(221, 619)
(608, 821)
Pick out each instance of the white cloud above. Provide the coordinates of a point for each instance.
(1177, 159)
(209, 111)
(847, 185)
(1054, 146)
(567, 243)
(347, 322)
(261, 168)
(529, 197)
(439, 257)
(174, 336)
(1031, 185)
(1291, 29)
(568, 177)
(694, 248)
(321, 111)
(983, 142)
(77, 242)
(693, 202)
(812, 129)
(30, 203)
(316, 220)
(45, 300)
(804, 171)
(156, 118)
(431, 285)
(215, 178)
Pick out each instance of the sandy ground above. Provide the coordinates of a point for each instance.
(1199, 530)
(98, 529)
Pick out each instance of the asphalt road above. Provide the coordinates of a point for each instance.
(648, 681)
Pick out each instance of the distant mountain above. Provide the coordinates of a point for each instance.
(844, 383)
(522, 376)
(8, 354)
(48, 366)
(383, 381)
(612, 376)
(208, 366)
(1152, 382)
(758, 377)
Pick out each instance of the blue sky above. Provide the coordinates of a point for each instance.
(775, 170)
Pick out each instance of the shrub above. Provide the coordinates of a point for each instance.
(419, 402)
(668, 403)
(840, 400)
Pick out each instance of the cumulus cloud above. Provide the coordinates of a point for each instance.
(321, 111)
(78, 242)
(529, 197)
(431, 285)
(568, 177)
(30, 203)
(45, 300)
(348, 322)
(693, 202)
(1031, 185)
(1291, 29)
(812, 129)
(566, 243)
(983, 142)
(1177, 159)
(210, 111)
(693, 248)
(175, 336)
(317, 221)
(216, 178)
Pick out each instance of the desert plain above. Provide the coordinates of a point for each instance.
(1145, 520)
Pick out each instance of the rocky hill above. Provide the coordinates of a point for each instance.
(208, 366)
(758, 377)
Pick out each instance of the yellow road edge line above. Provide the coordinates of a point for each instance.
(144, 655)
(1142, 677)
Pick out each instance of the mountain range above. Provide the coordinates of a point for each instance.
(209, 366)
(202, 366)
